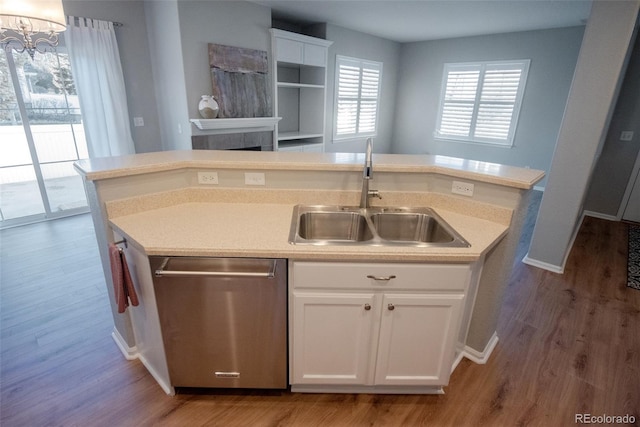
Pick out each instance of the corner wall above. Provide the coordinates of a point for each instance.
(553, 55)
(615, 163)
(168, 73)
(593, 92)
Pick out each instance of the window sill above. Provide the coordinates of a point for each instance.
(356, 138)
(478, 143)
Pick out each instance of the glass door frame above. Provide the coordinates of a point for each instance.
(35, 162)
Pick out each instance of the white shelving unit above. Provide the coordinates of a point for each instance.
(300, 78)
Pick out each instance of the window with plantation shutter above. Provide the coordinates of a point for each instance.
(480, 102)
(356, 98)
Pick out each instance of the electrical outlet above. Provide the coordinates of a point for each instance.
(138, 121)
(207, 178)
(463, 188)
(254, 178)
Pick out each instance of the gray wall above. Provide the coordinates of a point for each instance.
(615, 164)
(363, 46)
(168, 73)
(179, 34)
(553, 55)
(586, 119)
(136, 63)
(232, 23)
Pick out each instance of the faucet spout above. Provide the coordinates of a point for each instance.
(368, 162)
(367, 175)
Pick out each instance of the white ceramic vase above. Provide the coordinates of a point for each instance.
(208, 107)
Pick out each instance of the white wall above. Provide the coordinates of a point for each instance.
(363, 46)
(136, 63)
(553, 55)
(591, 100)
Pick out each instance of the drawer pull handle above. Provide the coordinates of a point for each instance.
(367, 307)
(381, 278)
(391, 307)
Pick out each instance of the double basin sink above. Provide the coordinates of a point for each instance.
(373, 226)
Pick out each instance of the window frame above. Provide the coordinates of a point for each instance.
(362, 64)
(482, 66)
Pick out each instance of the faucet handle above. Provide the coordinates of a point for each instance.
(375, 193)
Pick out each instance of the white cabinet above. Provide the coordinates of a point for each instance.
(333, 334)
(417, 338)
(374, 325)
(300, 77)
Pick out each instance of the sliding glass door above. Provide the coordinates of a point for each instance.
(41, 135)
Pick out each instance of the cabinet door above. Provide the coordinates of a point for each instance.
(289, 51)
(315, 55)
(332, 336)
(417, 339)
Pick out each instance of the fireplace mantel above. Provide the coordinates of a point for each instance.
(236, 125)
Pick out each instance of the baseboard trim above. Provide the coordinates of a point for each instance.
(457, 361)
(129, 353)
(351, 389)
(601, 216)
(481, 357)
(161, 382)
(543, 265)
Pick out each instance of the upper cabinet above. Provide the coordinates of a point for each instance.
(300, 78)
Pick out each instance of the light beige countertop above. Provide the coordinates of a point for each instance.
(262, 230)
(114, 167)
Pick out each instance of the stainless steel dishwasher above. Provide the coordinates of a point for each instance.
(223, 320)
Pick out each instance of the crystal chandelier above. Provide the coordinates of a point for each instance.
(31, 25)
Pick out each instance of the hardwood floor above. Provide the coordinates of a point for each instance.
(568, 344)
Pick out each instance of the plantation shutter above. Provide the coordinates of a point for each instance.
(481, 101)
(357, 97)
(459, 101)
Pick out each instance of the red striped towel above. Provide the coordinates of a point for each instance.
(122, 283)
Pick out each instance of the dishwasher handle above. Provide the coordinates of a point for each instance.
(161, 272)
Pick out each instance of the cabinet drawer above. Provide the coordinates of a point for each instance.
(336, 275)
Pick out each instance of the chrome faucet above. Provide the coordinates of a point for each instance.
(367, 175)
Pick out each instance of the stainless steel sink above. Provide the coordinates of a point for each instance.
(376, 226)
(410, 227)
(328, 226)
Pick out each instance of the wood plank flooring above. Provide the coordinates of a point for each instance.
(568, 344)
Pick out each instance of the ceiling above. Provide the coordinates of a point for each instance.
(418, 20)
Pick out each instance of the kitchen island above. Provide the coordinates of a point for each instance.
(157, 203)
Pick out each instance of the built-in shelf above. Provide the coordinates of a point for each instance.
(299, 90)
(249, 124)
(288, 136)
(299, 85)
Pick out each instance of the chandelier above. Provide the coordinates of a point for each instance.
(31, 25)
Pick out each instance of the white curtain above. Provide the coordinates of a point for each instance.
(97, 72)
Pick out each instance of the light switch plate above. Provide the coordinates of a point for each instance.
(626, 135)
(138, 121)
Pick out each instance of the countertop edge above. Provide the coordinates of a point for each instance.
(138, 164)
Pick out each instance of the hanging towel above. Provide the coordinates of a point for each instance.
(122, 284)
